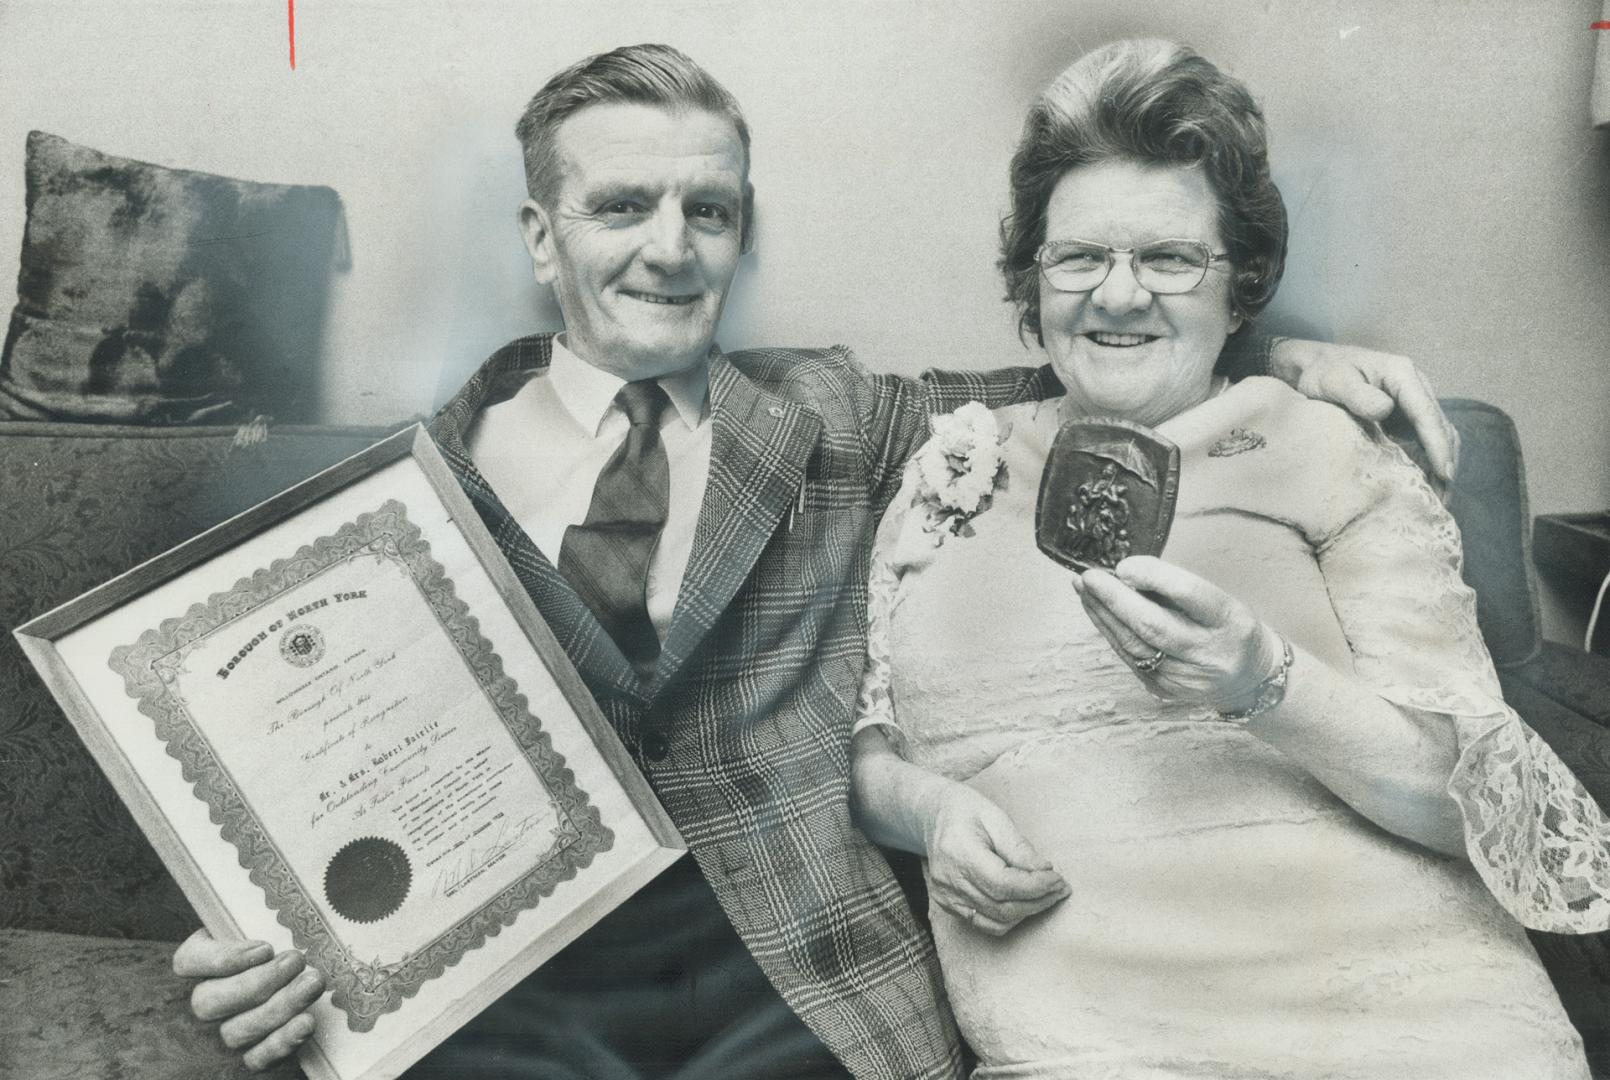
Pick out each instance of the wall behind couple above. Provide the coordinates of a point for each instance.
(1448, 198)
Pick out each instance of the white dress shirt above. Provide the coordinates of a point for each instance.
(543, 448)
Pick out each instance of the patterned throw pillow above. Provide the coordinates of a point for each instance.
(165, 296)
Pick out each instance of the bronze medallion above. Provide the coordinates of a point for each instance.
(1107, 493)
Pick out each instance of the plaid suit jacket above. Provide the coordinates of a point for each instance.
(747, 717)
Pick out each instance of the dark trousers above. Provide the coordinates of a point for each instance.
(661, 989)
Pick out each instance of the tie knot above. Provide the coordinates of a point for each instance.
(643, 402)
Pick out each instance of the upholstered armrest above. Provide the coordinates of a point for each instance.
(1564, 694)
(1579, 966)
(1576, 680)
(82, 1008)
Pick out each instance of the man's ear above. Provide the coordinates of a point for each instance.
(746, 238)
(537, 232)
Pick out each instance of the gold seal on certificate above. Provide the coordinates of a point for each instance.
(347, 730)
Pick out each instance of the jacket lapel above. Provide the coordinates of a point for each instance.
(760, 445)
(594, 652)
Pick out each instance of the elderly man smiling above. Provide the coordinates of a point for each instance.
(695, 527)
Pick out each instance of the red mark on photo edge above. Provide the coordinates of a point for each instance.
(1601, 25)
(290, 21)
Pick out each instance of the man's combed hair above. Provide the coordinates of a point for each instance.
(634, 75)
(1153, 102)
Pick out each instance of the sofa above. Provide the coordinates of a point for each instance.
(88, 915)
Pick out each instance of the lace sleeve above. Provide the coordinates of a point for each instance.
(874, 702)
(1533, 833)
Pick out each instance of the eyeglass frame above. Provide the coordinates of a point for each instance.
(1134, 271)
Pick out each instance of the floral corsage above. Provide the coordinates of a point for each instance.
(959, 470)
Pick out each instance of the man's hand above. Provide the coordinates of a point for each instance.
(261, 999)
(981, 868)
(1368, 384)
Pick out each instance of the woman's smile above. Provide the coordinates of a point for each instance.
(1112, 340)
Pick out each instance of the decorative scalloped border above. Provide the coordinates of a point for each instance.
(364, 991)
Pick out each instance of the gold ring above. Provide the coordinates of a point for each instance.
(1149, 663)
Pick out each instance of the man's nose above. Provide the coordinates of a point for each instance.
(667, 245)
(1120, 293)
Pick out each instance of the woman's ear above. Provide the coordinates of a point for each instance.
(537, 232)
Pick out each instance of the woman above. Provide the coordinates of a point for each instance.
(1260, 796)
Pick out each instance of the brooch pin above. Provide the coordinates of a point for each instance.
(1239, 441)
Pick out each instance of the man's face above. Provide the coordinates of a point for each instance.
(642, 238)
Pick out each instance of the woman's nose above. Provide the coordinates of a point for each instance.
(1120, 293)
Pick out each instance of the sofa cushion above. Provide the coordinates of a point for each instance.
(156, 295)
(1488, 500)
(83, 503)
(75, 1008)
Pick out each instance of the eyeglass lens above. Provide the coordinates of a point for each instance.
(1165, 266)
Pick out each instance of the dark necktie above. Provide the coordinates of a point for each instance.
(605, 558)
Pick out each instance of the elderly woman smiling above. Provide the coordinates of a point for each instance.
(1260, 796)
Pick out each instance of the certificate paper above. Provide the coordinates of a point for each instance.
(324, 717)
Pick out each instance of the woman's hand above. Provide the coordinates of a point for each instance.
(1186, 639)
(981, 868)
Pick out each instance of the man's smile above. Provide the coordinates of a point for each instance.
(660, 298)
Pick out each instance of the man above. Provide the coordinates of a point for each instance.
(695, 528)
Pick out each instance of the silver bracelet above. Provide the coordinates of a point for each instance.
(1267, 694)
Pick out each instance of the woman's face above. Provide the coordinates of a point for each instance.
(1118, 349)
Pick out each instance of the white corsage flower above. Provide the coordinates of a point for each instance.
(959, 470)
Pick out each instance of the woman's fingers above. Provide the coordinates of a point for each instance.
(1008, 885)
(1140, 616)
(978, 873)
(1124, 641)
(986, 872)
(981, 921)
(1173, 587)
(1187, 639)
(990, 915)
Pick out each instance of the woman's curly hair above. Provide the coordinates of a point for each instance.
(1153, 102)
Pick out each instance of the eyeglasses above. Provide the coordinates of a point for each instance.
(1162, 266)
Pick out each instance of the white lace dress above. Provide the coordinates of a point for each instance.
(1229, 916)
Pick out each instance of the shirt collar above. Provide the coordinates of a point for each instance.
(587, 392)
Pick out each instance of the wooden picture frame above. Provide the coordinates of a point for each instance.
(346, 729)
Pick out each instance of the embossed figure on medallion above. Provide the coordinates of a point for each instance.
(1100, 518)
(1107, 493)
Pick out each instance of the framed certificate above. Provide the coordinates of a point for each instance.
(346, 729)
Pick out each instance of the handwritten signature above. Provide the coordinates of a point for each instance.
(481, 858)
